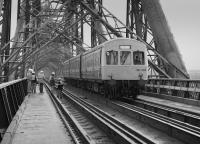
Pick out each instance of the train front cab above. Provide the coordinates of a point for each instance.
(124, 67)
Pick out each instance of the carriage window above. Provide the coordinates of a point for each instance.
(138, 58)
(125, 58)
(112, 57)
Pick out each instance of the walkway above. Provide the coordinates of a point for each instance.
(40, 123)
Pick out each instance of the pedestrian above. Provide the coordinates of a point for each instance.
(29, 78)
(59, 88)
(40, 80)
(52, 79)
(34, 82)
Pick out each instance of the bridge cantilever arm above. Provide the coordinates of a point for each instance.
(87, 7)
(160, 71)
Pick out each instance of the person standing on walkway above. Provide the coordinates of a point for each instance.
(29, 79)
(34, 82)
(52, 81)
(40, 80)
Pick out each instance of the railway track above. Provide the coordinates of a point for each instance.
(175, 128)
(84, 121)
(115, 130)
(180, 115)
(75, 133)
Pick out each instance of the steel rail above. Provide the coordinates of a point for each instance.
(171, 124)
(180, 130)
(178, 114)
(169, 120)
(123, 131)
(188, 115)
(68, 121)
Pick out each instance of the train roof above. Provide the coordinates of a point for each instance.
(109, 41)
(116, 39)
(105, 43)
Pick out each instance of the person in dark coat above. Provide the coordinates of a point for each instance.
(59, 88)
(52, 80)
(29, 80)
(34, 82)
(40, 80)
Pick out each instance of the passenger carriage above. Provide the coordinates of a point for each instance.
(118, 66)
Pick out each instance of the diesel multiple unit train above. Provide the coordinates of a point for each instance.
(115, 68)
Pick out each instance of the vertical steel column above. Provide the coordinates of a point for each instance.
(134, 16)
(137, 21)
(127, 17)
(36, 6)
(26, 32)
(5, 37)
(78, 28)
(93, 32)
(94, 22)
(138, 17)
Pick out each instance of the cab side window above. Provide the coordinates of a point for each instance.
(125, 57)
(138, 58)
(112, 57)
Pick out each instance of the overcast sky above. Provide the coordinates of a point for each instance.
(183, 17)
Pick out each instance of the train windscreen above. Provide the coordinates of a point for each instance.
(112, 57)
(138, 58)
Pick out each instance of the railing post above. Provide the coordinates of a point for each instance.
(6, 105)
(162, 90)
(25, 86)
(175, 92)
(11, 96)
(10, 101)
(3, 118)
(186, 93)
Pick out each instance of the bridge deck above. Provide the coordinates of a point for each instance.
(40, 123)
(170, 103)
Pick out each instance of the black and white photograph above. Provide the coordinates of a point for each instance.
(99, 72)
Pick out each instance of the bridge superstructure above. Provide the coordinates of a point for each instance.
(50, 31)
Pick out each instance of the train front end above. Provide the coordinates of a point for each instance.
(125, 65)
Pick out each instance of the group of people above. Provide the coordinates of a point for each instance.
(33, 80)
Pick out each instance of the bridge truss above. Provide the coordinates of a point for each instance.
(50, 31)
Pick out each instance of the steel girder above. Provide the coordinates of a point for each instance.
(67, 23)
(113, 27)
(145, 22)
(35, 44)
(5, 22)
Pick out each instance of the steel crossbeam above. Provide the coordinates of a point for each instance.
(61, 27)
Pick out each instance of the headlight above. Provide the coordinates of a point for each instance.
(140, 75)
